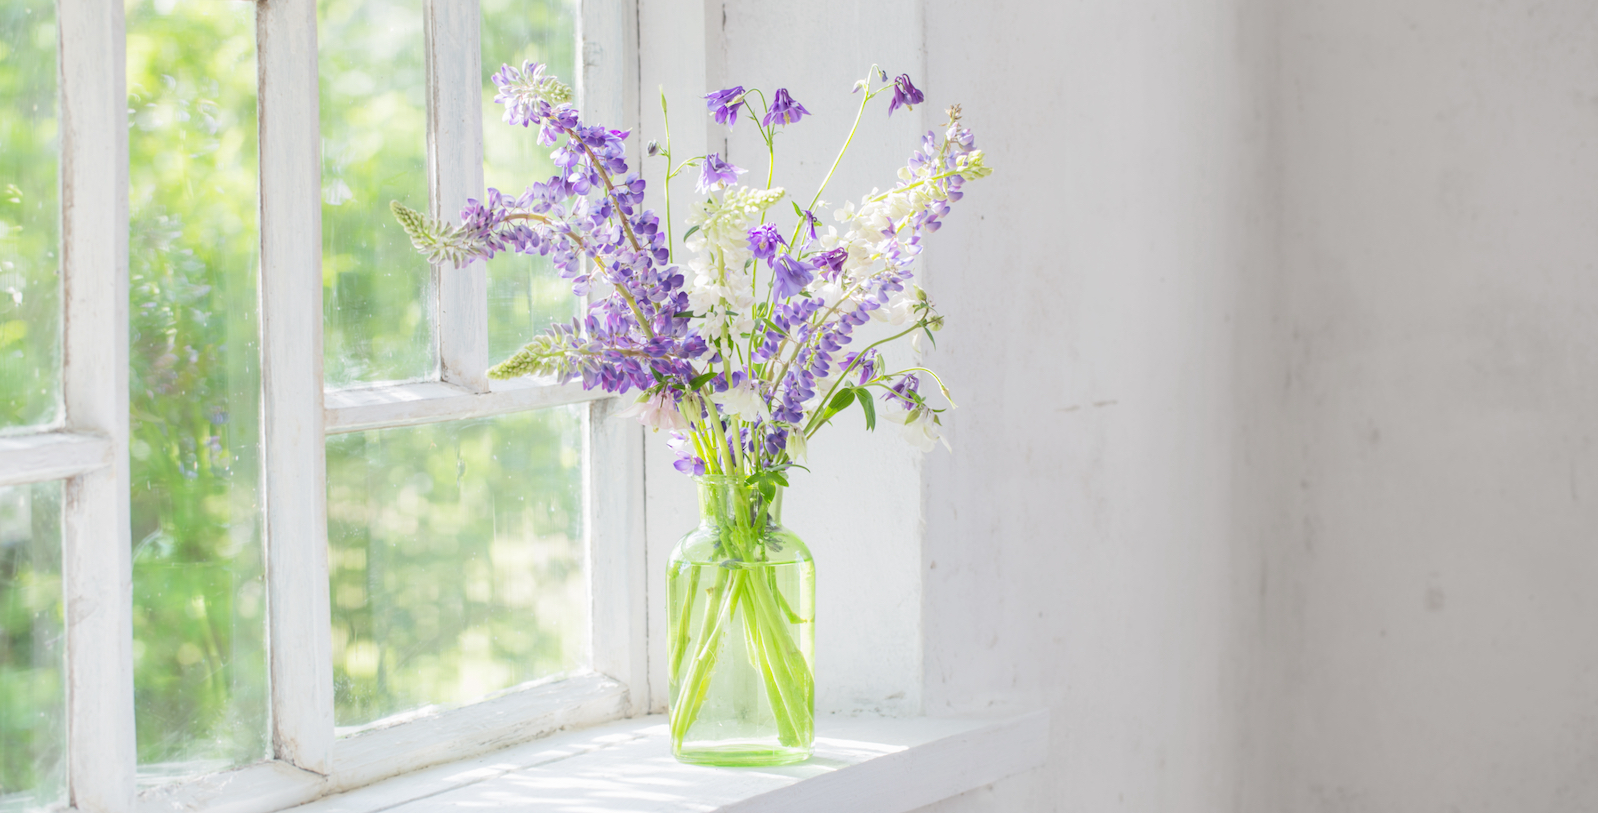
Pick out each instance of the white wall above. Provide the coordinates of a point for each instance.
(1082, 550)
(1274, 341)
(1434, 601)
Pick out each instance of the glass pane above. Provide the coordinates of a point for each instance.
(30, 287)
(374, 150)
(456, 560)
(524, 293)
(32, 646)
(198, 620)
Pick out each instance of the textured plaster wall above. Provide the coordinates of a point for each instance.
(1274, 338)
(1434, 617)
(1082, 548)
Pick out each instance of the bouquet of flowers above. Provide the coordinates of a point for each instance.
(742, 351)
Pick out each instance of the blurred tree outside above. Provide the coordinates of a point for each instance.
(467, 534)
(30, 282)
(193, 248)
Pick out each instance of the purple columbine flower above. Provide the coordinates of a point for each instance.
(904, 392)
(905, 93)
(717, 173)
(792, 275)
(725, 103)
(764, 240)
(832, 260)
(868, 367)
(784, 110)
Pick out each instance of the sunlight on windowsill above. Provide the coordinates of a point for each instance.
(877, 764)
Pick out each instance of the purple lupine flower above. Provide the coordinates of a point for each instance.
(716, 174)
(784, 110)
(904, 93)
(764, 240)
(776, 441)
(791, 275)
(725, 103)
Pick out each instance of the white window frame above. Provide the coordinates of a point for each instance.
(89, 449)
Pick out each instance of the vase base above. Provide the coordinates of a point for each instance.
(740, 755)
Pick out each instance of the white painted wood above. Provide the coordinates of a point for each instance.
(97, 552)
(607, 92)
(613, 498)
(381, 407)
(607, 78)
(881, 765)
(259, 788)
(455, 173)
(428, 738)
(51, 456)
(293, 469)
(672, 54)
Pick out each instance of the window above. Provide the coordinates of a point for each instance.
(265, 527)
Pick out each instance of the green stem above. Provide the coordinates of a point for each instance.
(692, 691)
(671, 244)
(680, 623)
(859, 114)
(811, 427)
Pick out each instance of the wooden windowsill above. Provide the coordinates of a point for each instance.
(861, 764)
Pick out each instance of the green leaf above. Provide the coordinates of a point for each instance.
(841, 400)
(870, 407)
(798, 211)
(658, 377)
(699, 380)
(689, 233)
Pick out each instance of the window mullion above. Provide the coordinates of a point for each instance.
(455, 173)
(96, 549)
(293, 452)
(613, 493)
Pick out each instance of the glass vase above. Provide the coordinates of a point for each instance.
(741, 615)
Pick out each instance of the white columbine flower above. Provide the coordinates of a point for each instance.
(744, 401)
(656, 412)
(915, 425)
(797, 448)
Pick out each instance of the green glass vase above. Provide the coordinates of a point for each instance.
(741, 592)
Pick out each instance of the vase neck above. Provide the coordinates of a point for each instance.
(727, 500)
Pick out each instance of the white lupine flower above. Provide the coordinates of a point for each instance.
(830, 293)
(714, 322)
(744, 401)
(900, 307)
(724, 223)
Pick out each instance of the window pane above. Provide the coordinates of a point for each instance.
(456, 560)
(32, 645)
(198, 620)
(524, 293)
(30, 288)
(374, 150)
